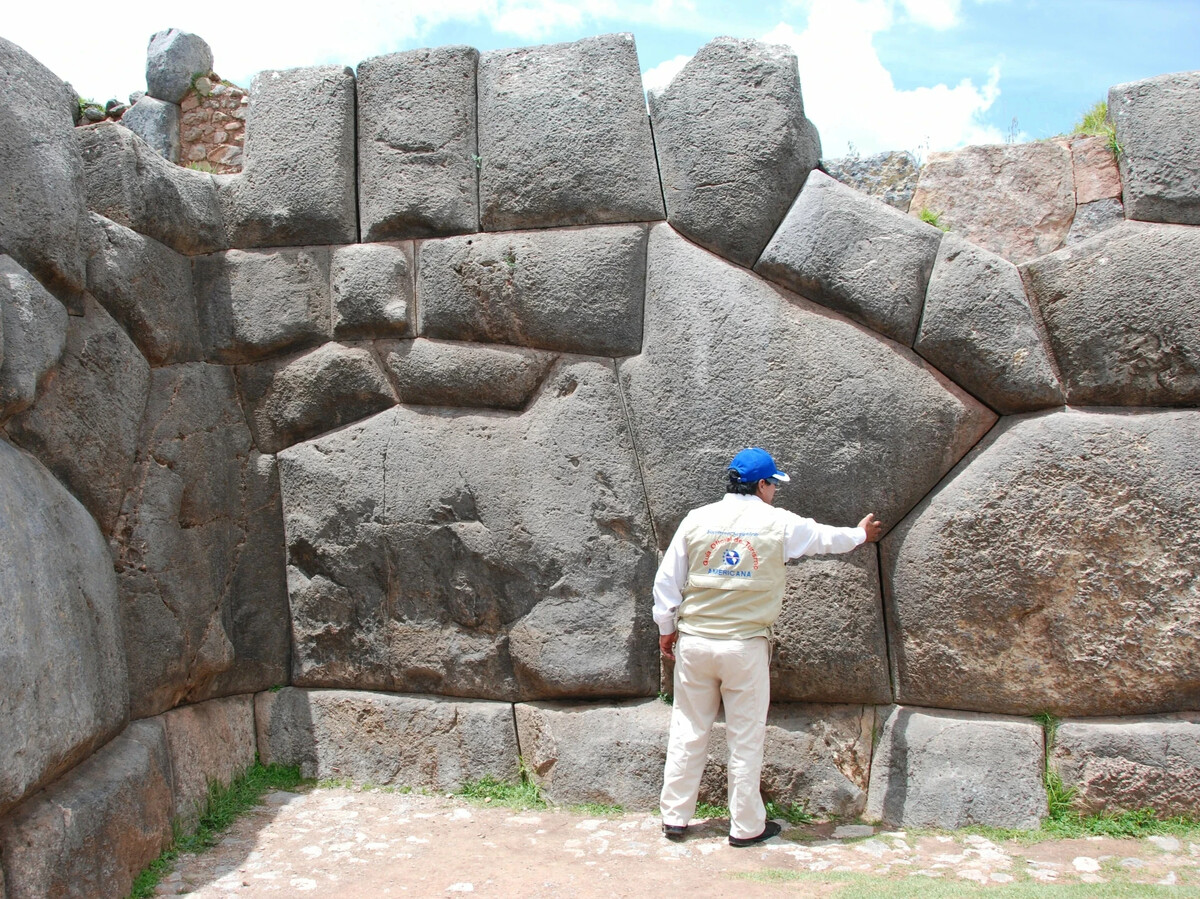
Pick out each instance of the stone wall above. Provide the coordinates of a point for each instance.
(401, 416)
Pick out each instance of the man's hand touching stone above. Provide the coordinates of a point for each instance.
(872, 526)
(666, 645)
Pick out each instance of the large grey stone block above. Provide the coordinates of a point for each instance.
(256, 303)
(613, 754)
(210, 742)
(733, 145)
(890, 177)
(729, 361)
(1157, 121)
(297, 184)
(477, 554)
(417, 144)
(934, 768)
(979, 329)
(147, 287)
(298, 397)
(1051, 571)
(42, 201)
(373, 290)
(157, 123)
(382, 738)
(1121, 314)
(1016, 200)
(93, 831)
(63, 666)
(35, 336)
(1094, 217)
(854, 254)
(127, 182)
(830, 639)
(436, 373)
(84, 427)
(1128, 764)
(195, 542)
(564, 138)
(579, 291)
(173, 59)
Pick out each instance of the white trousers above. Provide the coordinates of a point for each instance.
(708, 672)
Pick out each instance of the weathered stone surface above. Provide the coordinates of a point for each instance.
(157, 123)
(294, 398)
(35, 335)
(475, 554)
(733, 145)
(1095, 171)
(1094, 217)
(890, 177)
(372, 290)
(578, 291)
(255, 303)
(297, 184)
(62, 666)
(173, 59)
(855, 255)
(957, 769)
(613, 754)
(859, 423)
(1122, 311)
(1158, 127)
(212, 741)
(1016, 200)
(381, 738)
(1128, 764)
(978, 328)
(564, 138)
(830, 642)
(41, 202)
(433, 373)
(1055, 571)
(93, 831)
(193, 521)
(84, 427)
(417, 144)
(126, 181)
(147, 287)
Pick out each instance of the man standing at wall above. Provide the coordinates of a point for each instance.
(720, 586)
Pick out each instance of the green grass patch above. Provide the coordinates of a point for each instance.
(597, 809)
(1095, 123)
(929, 217)
(708, 810)
(793, 814)
(525, 794)
(223, 806)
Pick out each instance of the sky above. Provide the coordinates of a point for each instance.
(876, 75)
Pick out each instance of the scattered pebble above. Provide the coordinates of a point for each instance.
(1166, 844)
(1085, 864)
(851, 831)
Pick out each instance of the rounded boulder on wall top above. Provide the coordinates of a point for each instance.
(1055, 570)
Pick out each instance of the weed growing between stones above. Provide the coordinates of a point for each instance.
(664, 696)
(525, 794)
(1095, 123)
(597, 809)
(223, 806)
(929, 217)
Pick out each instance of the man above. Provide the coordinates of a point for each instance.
(720, 586)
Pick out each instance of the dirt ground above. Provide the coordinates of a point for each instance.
(346, 843)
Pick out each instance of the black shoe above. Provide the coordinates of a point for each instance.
(773, 829)
(674, 832)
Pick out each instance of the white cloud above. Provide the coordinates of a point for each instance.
(851, 97)
(656, 79)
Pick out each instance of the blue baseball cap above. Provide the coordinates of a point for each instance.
(756, 464)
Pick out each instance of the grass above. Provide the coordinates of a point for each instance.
(929, 217)
(202, 165)
(224, 805)
(523, 795)
(1095, 123)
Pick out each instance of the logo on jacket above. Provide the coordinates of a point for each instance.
(732, 557)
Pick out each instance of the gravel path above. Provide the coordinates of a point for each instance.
(349, 843)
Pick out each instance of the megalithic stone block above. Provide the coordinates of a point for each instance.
(733, 145)
(979, 329)
(127, 182)
(297, 185)
(35, 336)
(42, 203)
(157, 123)
(442, 373)
(373, 290)
(1062, 541)
(417, 144)
(564, 138)
(208, 742)
(1157, 122)
(1122, 311)
(854, 254)
(173, 59)
(58, 601)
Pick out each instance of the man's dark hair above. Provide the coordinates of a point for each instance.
(737, 485)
